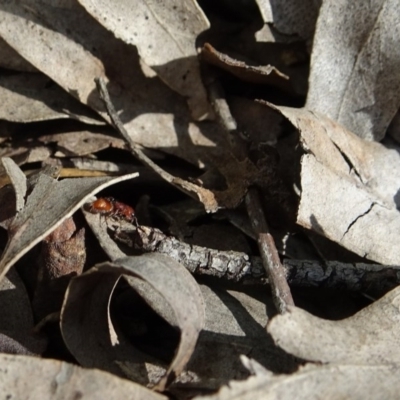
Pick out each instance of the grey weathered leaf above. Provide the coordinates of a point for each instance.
(354, 65)
(25, 377)
(291, 17)
(16, 322)
(235, 325)
(85, 321)
(367, 338)
(235, 322)
(165, 34)
(49, 204)
(29, 97)
(349, 187)
(78, 143)
(153, 114)
(18, 180)
(310, 382)
(24, 28)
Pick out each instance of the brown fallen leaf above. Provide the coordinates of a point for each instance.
(267, 74)
(367, 338)
(47, 206)
(354, 66)
(52, 379)
(82, 143)
(162, 282)
(204, 195)
(156, 118)
(349, 187)
(165, 35)
(63, 256)
(30, 97)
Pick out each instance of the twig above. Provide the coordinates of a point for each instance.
(274, 269)
(194, 191)
(226, 120)
(239, 267)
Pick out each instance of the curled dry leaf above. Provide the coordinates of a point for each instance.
(354, 66)
(165, 34)
(310, 382)
(47, 206)
(86, 324)
(369, 337)
(51, 379)
(234, 324)
(267, 75)
(349, 187)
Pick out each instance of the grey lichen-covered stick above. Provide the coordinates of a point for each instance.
(240, 267)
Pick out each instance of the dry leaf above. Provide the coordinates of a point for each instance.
(290, 17)
(25, 28)
(267, 75)
(153, 115)
(29, 97)
(165, 35)
(62, 256)
(25, 377)
(10, 59)
(18, 180)
(49, 204)
(354, 65)
(16, 322)
(82, 143)
(235, 325)
(86, 324)
(252, 118)
(369, 337)
(349, 187)
(310, 382)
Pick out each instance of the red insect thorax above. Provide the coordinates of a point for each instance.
(110, 207)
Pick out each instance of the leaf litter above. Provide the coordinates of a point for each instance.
(221, 126)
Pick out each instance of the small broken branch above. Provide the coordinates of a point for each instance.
(273, 267)
(194, 191)
(239, 267)
(275, 271)
(226, 120)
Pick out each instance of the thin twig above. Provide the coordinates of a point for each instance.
(194, 191)
(275, 271)
(226, 120)
(273, 267)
